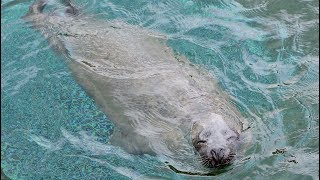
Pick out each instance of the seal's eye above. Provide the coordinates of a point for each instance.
(232, 138)
(201, 142)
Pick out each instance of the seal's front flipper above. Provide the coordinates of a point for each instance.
(131, 142)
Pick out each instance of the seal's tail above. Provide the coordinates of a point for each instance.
(70, 8)
(38, 6)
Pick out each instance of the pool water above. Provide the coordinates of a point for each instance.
(265, 54)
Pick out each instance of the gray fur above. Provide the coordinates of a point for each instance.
(154, 96)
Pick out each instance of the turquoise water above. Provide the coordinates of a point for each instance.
(263, 53)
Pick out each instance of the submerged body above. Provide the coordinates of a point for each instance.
(159, 102)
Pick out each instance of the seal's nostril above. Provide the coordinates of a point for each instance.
(218, 155)
(218, 151)
(215, 154)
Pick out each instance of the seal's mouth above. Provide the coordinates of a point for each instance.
(216, 161)
(213, 156)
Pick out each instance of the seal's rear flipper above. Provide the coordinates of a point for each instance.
(38, 6)
(70, 8)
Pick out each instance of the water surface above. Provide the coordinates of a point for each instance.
(263, 53)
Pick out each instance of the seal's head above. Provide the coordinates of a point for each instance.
(215, 141)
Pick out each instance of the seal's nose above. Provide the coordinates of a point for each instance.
(219, 156)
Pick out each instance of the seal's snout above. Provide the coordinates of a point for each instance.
(216, 157)
(220, 156)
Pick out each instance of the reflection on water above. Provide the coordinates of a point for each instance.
(264, 53)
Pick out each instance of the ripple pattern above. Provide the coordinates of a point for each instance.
(265, 55)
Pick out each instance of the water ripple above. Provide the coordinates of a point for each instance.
(265, 54)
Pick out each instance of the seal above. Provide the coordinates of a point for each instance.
(159, 102)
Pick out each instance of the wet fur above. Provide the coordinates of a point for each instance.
(154, 96)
